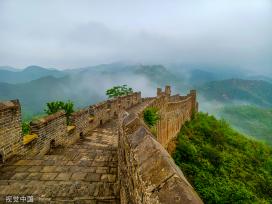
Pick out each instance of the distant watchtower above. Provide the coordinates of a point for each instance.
(159, 91)
(168, 91)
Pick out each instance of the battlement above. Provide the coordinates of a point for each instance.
(53, 129)
(147, 172)
(173, 110)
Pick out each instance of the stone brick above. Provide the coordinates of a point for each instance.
(19, 176)
(93, 177)
(63, 176)
(48, 176)
(78, 176)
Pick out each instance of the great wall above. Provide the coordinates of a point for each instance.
(105, 155)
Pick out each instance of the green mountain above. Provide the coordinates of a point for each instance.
(84, 86)
(9, 75)
(235, 91)
(250, 120)
(222, 165)
(35, 94)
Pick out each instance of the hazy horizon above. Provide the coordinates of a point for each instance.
(84, 33)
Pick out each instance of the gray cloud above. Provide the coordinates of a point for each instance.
(68, 34)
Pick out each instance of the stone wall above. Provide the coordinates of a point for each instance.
(146, 171)
(51, 131)
(54, 130)
(106, 110)
(174, 111)
(10, 129)
(80, 125)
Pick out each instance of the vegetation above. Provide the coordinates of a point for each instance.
(223, 165)
(118, 91)
(251, 120)
(26, 123)
(151, 116)
(25, 128)
(55, 106)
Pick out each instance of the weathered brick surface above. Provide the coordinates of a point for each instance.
(10, 129)
(174, 111)
(50, 130)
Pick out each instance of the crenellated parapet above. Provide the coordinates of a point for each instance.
(51, 130)
(54, 130)
(174, 111)
(147, 173)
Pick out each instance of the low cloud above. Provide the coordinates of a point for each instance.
(76, 34)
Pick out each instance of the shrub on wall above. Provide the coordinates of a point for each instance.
(55, 106)
(151, 116)
(25, 128)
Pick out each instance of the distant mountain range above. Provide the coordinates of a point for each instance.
(233, 91)
(15, 76)
(35, 86)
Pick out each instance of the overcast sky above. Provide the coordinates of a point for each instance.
(78, 33)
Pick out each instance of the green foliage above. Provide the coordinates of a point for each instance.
(250, 120)
(25, 128)
(151, 116)
(118, 91)
(223, 165)
(55, 106)
(68, 107)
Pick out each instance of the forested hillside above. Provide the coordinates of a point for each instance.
(251, 120)
(235, 91)
(223, 165)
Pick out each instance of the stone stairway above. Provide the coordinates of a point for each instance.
(82, 173)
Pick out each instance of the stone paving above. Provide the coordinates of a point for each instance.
(82, 173)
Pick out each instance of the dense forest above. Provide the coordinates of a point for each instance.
(223, 165)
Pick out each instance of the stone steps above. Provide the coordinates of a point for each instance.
(83, 173)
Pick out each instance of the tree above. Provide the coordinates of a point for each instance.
(55, 106)
(68, 107)
(151, 116)
(118, 91)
